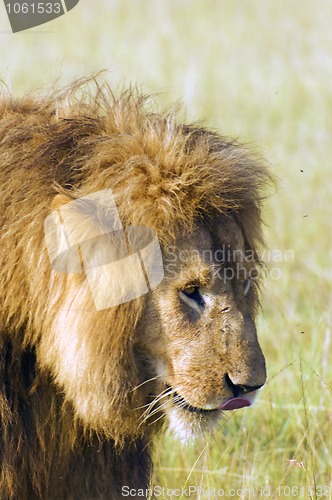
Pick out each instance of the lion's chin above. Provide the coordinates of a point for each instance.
(188, 426)
(188, 422)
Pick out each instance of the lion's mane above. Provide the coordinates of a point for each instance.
(165, 175)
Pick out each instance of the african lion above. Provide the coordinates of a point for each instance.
(83, 391)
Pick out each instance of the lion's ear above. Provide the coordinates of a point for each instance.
(59, 200)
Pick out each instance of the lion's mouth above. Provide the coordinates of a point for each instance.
(234, 403)
(184, 405)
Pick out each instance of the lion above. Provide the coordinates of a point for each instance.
(83, 390)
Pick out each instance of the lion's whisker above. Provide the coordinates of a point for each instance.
(151, 407)
(157, 419)
(145, 382)
(157, 410)
(158, 398)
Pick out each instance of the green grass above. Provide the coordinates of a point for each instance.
(260, 71)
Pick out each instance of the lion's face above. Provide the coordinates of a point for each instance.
(199, 331)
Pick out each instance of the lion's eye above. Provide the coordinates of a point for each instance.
(246, 286)
(193, 293)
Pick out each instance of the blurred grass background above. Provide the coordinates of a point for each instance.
(260, 71)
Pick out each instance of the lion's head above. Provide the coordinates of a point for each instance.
(188, 349)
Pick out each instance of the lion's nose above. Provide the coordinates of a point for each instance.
(240, 390)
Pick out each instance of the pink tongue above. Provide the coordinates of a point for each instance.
(235, 404)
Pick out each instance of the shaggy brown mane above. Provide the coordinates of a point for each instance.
(165, 175)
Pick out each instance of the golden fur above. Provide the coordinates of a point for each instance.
(75, 383)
